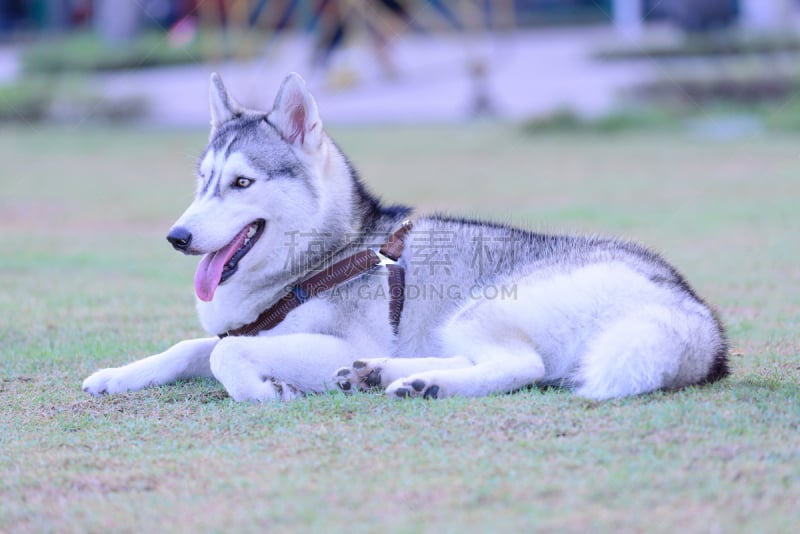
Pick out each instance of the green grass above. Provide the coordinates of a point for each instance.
(26, 100)
(65, 98)
(729, 43)
(87, 280)
(671, 107)
(634, 119)
(86, 52)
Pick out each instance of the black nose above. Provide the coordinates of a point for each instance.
(180, 238)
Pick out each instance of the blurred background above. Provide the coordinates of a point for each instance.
(720, 67)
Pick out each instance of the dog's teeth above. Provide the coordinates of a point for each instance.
(251, 232)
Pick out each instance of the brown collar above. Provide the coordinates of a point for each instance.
(335, 275)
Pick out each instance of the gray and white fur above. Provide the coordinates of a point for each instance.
(488, 308)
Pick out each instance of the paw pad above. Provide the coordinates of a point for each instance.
(359, 376)
(416, 388)
(431, 393)
(373, 379)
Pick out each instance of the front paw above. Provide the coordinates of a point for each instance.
(105, 381)
(363, 375)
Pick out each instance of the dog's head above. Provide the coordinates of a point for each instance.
(263, 177)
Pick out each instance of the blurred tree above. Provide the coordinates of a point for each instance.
(117, 22)
(708, 15)
(628, 18)
(11, 13)
(53, 14)
(767, 14)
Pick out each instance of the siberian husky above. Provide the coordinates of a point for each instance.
(308, 283)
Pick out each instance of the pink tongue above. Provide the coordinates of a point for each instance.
(209, 272)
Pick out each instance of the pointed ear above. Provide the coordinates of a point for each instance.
(295, 114)
(223, 106)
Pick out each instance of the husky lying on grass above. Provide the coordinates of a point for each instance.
(309, 284)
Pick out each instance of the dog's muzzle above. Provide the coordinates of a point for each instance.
(180, 238)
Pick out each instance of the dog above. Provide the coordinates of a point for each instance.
(309, 283)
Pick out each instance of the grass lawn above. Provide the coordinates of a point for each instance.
(87, 281)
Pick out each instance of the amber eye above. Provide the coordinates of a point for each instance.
(242, 182)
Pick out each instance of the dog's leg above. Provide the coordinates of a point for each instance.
(380, 372)
(501, 373)
(278, 368)
(187, 359)
(497, 356)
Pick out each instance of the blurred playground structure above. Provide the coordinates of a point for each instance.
(121, 19)
(390, 60)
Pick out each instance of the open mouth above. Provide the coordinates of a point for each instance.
(217, 267)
